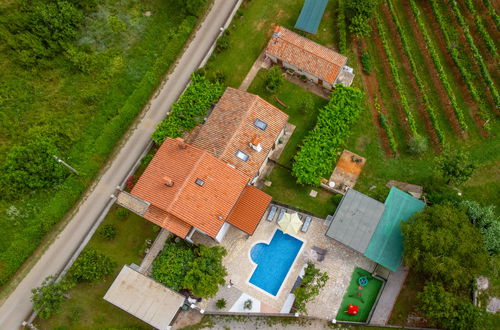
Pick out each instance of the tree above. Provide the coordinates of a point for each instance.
(108, 231)
(360, 26)
(171, 266)
(312, 282)
(441, 244)
(484, 218)
(195, 7)
(455, 166)
(206, 272)
(447, 310)
(47, 298)
(29, 167)
(91, 266)
(274, 79)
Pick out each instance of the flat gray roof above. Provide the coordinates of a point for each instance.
(144, 298)
(355, 220)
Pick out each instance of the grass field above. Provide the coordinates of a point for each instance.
(364, 298)
(85, 309)
(85, 113)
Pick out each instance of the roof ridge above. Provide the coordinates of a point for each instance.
(308, 51)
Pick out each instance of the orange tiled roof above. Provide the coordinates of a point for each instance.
(249, 209)
(230, 127)
(305, 54)
(186, 203)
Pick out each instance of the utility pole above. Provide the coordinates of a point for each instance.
(59, 160)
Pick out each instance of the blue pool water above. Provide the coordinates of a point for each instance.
(274, 261)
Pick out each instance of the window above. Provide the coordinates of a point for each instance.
(241, 155)
(199, 182)
(260, 124)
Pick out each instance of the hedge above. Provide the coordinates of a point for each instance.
(342, 29)
(319, 149)
(190, 109)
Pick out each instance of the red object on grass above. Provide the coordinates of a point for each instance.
(352, 310)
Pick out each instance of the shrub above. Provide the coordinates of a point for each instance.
(319, 149)
(47, 298)
(122, 213)
(360, 26)
(173, 263)
(417, 145)
(108, 231)
(484, 218)
(312, 282)
(190, 109)
(146, 160)
(359, 13)
(29, 167)
(341, 28)
(247, 304)
(91, 266)
(366, 62)
(221, 303)
(274, 79)
(223, 42)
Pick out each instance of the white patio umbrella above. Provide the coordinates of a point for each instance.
(290, 224)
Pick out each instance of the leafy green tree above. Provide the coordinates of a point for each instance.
(360, 7)
(91, 266)
(360, 26)
(108, 231)
(206, 272)
(171, 266)
(441, 244)
(455, 166)
(274, 79)
(447, 310)
(484, 218)
(29, 167)
(195, 7)
(47, 298)
(312, 282)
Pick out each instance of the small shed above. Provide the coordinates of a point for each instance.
(355, 220)
(311, 15)
(144, 298)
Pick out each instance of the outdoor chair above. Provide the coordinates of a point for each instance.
(281, 214)
(306, 224)
(272, 213)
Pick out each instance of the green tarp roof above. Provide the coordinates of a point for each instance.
(386, 244)
(311, 15)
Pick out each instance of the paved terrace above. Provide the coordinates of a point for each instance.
(339, 263)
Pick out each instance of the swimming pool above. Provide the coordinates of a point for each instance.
(274, 261)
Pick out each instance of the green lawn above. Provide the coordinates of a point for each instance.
(283, 188)
(364, 298)
(85, 309)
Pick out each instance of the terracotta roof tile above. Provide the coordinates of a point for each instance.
(230, 127)
(186, 203)
(249, 209)
(306, 54)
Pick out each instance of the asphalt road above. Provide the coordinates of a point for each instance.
(18, 306)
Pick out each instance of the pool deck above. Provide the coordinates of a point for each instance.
(339, 263)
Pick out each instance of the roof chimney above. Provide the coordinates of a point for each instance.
(167, 181)
(255, 144)
(182, 144)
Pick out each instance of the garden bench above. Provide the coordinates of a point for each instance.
(306, 224)
(272, 213)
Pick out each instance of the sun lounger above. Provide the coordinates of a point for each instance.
(281, 214)
(272, 213)
(306, 224)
